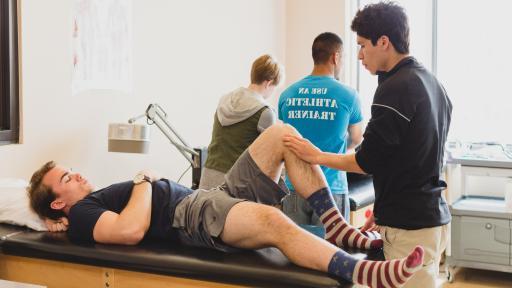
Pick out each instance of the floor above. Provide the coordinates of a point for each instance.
(473, 278)
(476, 278)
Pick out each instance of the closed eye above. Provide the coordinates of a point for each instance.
(65, 178)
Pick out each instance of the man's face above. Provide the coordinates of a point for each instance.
(68, 187)
(369, 54)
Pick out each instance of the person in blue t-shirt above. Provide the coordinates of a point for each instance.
(327, 113)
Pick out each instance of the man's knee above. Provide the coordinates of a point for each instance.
(270, 143)
(273, 219)
(282, 129)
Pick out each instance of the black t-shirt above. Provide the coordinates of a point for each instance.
(403, 147)
(86, 212)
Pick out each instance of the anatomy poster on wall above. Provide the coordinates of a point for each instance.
(102, 45)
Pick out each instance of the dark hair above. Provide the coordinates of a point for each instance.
(383, 19)
(324, 46)
(41, 196)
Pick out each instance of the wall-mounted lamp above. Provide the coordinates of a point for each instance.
(128, 138)
(134, 138)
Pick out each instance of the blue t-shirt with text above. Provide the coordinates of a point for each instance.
(321, 109)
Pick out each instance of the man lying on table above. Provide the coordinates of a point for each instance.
(234, 215)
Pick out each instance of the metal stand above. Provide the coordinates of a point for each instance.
(195, 156)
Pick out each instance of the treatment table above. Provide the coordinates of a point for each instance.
(51, 260)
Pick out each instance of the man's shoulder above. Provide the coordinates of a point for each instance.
(292, 90)
(83, 217)
(89, 201)
(410, 80)
(412, 75)
(344, 89)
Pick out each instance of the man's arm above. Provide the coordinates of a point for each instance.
(130, 226)
(355, 134)
(343, 162)
(308, 152)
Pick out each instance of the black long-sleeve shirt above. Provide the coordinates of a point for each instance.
(403, 147)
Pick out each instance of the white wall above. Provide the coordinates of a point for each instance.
(186, 54)
(305, 19)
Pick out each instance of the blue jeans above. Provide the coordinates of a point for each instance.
(298, 209)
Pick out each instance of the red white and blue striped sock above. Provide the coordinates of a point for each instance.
(372, 234)
(337, 230)
(376, 274)
(391, 273)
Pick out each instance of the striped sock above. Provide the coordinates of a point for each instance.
(387, 274)
(375, 274)
(372, 234)
(337, 230)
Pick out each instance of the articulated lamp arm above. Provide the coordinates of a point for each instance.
(156, 115)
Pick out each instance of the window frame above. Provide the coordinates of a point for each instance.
(9, 77)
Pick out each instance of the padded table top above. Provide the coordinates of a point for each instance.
(263, 268)
(360, 190)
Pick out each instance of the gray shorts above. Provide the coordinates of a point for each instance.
(200, 217)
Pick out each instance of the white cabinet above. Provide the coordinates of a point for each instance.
(481, 234)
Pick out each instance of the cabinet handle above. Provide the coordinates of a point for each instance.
(488, 226)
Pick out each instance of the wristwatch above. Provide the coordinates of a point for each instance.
(140, 178)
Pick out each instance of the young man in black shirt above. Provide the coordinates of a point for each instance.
(403, 143)
(223, 218)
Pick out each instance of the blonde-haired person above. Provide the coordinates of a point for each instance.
(240, 117)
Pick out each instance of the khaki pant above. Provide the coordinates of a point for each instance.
(398, 243)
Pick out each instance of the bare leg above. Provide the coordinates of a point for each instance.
(269, 153)
(251, 225)
(269, 227)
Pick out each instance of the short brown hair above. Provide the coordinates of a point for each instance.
(324, 46)
(265, 68)
(41, 196)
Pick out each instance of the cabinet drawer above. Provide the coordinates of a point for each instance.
(485, 240)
